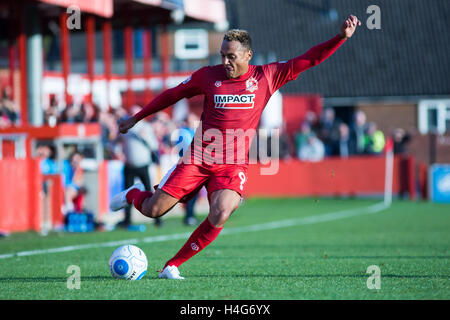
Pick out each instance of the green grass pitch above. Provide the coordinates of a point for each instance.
(409, 242)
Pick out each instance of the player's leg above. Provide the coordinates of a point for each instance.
(144, 175)
(152, 205)
(180, 181)
(222, 204)
(157, 205)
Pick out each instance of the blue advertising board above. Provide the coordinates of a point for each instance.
(439, 183)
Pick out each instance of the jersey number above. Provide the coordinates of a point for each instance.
(243, 179)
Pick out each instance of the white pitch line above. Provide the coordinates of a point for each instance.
(308, 220)
(253, 228)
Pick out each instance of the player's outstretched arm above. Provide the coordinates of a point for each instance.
(188, 88)
(321, 52)
(160, 102)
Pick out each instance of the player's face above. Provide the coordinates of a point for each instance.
(235, 58)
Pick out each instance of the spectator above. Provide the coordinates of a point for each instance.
(303, 135)
(109, 135)
(344, 146)
(284, 144)
(72, 114)
(328, 130)
(48, 163)
(374, 139)
(312, 150)
(51, 114)
(4, 119)
(358, 131)
(75, 195)
(139, 143)
(9, 111)
(401, 138)
(89, 113)
(73, 182)
(311, 118)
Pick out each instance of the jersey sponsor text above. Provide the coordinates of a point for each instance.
(234, 101)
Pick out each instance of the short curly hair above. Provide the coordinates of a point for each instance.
(239, 35)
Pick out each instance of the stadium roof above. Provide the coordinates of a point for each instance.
(99, 7)
(409, 56)
(202, 10)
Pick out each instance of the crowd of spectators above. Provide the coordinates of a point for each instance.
(329, 136)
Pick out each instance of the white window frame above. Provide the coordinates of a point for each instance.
(197, 36)
(442, 107)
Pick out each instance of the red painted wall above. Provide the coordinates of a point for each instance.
(331, 177)
(20, 195)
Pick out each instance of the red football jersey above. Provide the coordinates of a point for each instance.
(232, 109)
(232, 106)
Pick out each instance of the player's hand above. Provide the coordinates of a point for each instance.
(349, 26)
(127, 124)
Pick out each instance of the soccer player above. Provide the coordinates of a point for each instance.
(235, 94)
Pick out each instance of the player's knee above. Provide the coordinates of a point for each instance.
(219, 215)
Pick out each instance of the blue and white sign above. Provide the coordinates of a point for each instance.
(440, 183)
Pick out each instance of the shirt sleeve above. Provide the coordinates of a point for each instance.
(279, 73)
(193, 85)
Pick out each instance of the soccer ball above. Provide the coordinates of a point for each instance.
(128, 262)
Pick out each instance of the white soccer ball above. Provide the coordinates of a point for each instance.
(128, 262)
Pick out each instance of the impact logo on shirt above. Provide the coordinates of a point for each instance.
(234, 101)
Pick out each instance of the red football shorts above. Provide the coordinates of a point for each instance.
(183, 181)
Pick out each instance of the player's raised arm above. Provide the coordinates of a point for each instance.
(319, 53)
(188, 88)
(282, 72)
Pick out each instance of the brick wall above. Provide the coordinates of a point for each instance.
(390, 116)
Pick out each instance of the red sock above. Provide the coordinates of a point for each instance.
(199, 239)
(137, 197)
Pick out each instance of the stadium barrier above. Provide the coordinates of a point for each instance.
(21, 195)
(357, 176)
